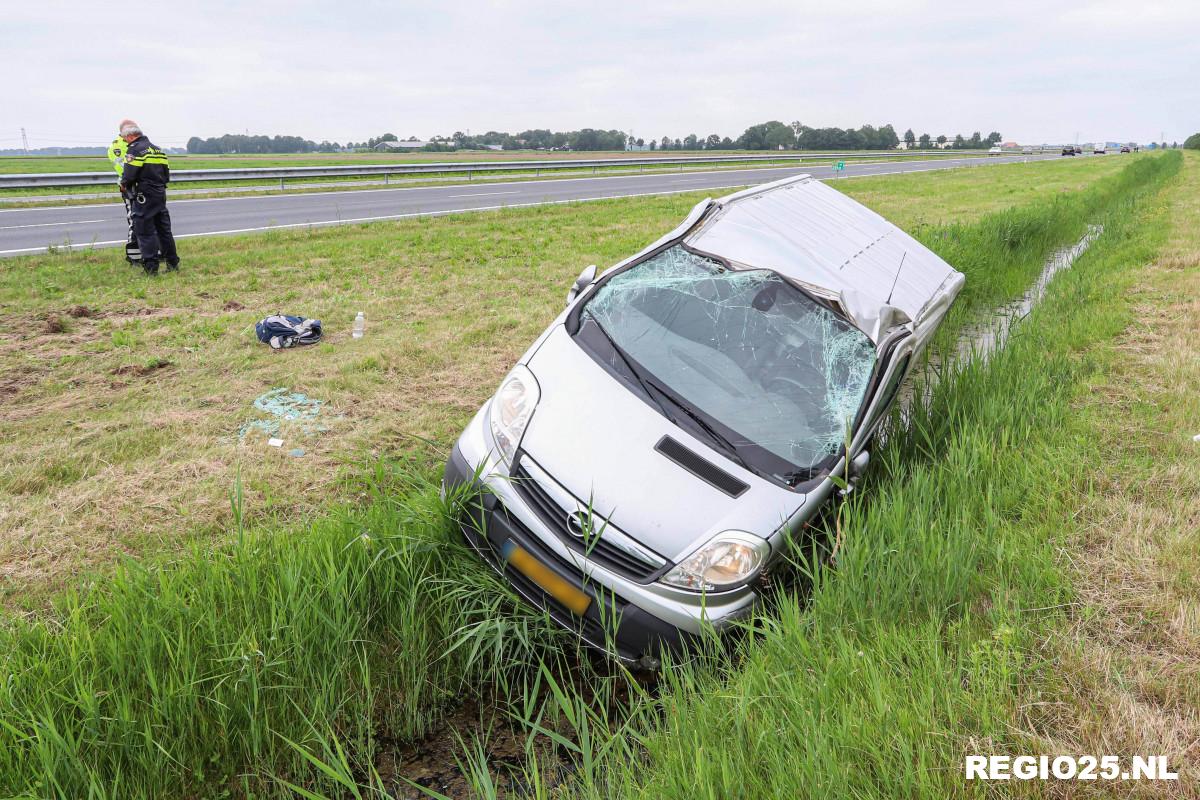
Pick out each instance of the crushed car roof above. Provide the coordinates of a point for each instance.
(832, 246)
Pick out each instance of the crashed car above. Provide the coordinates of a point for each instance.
(654, 450)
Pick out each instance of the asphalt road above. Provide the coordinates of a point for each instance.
(32, 230)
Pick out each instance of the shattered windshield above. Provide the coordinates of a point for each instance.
(760, 366)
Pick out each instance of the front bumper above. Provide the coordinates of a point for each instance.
(611, 623)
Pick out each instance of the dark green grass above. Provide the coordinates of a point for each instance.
(181, 681)
(225, 670)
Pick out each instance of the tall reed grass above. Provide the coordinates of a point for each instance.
(922, 643)
(276, 664)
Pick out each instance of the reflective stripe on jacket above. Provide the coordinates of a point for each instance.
(146, 169)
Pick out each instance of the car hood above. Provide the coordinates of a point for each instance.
(597, 440)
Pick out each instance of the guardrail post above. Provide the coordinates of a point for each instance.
(385, 179)
(281, 182)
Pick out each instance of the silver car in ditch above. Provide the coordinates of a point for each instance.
(653, 451)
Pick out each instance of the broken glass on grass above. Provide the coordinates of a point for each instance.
(744, 348)
(285, 410)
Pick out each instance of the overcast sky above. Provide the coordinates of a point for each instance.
(1037, 72)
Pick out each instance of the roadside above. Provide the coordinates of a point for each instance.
(1131, 676)
(55, 197)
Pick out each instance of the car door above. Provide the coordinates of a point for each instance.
(894, 364)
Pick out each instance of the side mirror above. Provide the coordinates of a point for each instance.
(584, 280)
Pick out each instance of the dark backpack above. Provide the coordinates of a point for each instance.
(284, 330)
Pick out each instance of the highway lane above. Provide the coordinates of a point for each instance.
(32, 230)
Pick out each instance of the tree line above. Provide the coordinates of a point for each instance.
(771, 135)
(240, 143)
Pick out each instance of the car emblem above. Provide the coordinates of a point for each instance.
(577, 524)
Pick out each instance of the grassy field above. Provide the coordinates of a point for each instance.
(33, 164)
(1131, 648)
(125, 398)
(905, 662)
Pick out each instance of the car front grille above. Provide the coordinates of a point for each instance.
(556, 519)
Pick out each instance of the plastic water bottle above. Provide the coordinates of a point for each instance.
(360, 326)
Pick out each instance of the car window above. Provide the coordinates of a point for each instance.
(774, 368)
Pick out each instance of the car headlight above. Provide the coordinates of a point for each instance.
(511, 409)
(729, 559)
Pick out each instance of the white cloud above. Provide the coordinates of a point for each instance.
(1035, 72)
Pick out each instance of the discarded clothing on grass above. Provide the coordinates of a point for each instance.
(284, 330)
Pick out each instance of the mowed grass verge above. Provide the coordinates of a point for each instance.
(202, 675)
(124, 398)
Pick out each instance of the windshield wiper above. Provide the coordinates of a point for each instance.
(647, 386)
(630, 368)
(795, 476)
(725, 443)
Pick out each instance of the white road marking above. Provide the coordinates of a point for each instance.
(478, 194)
(47, 224)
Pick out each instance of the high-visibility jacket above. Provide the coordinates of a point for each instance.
(116, 154)
(146, 170)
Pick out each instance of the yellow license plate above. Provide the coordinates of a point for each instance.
(543, 576)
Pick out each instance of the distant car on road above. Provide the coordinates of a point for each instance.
(1098, 149)
(1027, 151)
(1069, 150)
(995, 149)
(1125, 149)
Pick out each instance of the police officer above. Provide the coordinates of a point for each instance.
(116, 154)
(144, 178)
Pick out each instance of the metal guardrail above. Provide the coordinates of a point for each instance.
(107, 178)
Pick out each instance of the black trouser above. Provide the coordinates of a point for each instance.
(152, 227)
(132, 254)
